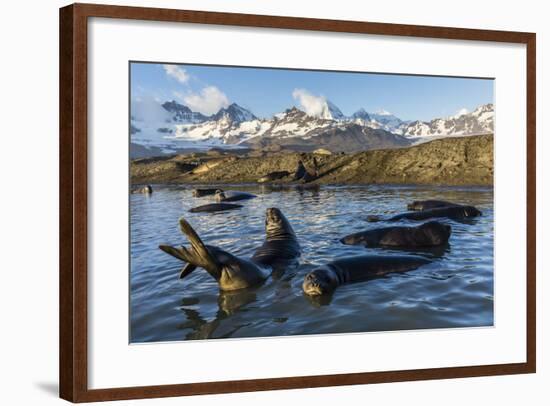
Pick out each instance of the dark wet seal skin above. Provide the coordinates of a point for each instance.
(204, 192)
(232, 196)
(214, 207)
(419, 205)
(454, 213)
(450, 212)
(325, 279)
(232, 273)
(280, 248)
(147, 189)
(430, 234)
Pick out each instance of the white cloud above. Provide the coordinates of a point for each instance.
(461, 112)
(177, 73)
(315, 106)
(383, 112)
(208, 101)
(148, 110)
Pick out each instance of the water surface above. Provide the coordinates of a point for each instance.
(456, 290)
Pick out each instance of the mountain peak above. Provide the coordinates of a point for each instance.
(362, 114)
(234, 113)
(173, 106)
(334, 113)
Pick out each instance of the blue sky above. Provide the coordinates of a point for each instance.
(269, 91)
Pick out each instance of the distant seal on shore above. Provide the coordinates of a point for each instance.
(280, 248)
(325, 279)
(429, 204)
(232, 196)
(302, 174)
(452, 212)
(271, 176)
(147, 189)
(204, 192)
(213, 207)
(430, 234)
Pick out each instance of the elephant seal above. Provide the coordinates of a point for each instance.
(429, 204)
(147, 189)
(213, 207)
(452, 212)
(281, 247)
(204, 192)
(325, 279)
(232, 196)
(301, 174)
(232, 273)
(430, 234)
(271, 176)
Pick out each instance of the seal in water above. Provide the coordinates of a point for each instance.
(232, 196)
(271, 176)
(430, 234)
(326, 278)
(429, 204)
(204, 192)
(280, 248)
(147, 189)
(213, 207)
(453, 212)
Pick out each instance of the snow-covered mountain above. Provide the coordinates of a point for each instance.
(183, 114)
(386, 120)
(477, 122)
(361, 114)
(175, 126)
(234, 113)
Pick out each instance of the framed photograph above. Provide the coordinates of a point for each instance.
(255, 202)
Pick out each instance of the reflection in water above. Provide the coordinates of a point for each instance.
(228, 303)
(456, 290)
(318, 301)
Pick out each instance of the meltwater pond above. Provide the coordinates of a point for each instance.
(455, 290)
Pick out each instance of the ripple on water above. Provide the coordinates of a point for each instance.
(455, 290)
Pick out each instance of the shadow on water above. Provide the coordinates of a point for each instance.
(228, 303)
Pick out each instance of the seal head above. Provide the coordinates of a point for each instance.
(320, 281)
(280, 248)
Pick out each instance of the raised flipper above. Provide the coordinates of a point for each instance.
(187, 269)
(180, 253)
(197, 256)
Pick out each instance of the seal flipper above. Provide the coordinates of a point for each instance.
(180, 253)
(200, 254)
(187, 269)
(197, 256)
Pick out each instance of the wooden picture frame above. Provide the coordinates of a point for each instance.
(74, 201)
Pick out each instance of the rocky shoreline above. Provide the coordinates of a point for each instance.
(448, 161)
